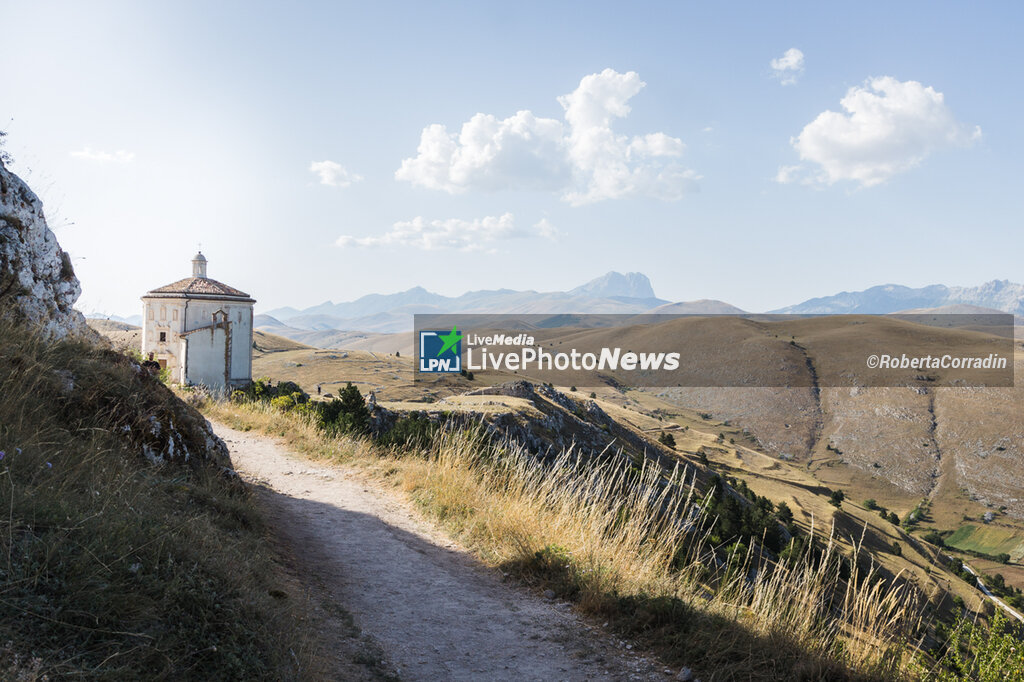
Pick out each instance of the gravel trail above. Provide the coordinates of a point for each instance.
(434, 611)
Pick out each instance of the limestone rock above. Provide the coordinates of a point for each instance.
(37, 282)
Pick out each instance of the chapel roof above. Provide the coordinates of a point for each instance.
(200, 286)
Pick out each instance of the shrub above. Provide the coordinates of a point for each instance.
(282, 402)
(984, 652)
(783, 513)
(871, 504)
(737, 521)
(347, 413)
(415, 430)
(667, 439)
(288, 387)
(260, 389)
(263, 390)
(836, 498)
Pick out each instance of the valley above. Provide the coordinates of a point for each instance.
(890, 449)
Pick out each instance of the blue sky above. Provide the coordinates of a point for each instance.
(676, 148)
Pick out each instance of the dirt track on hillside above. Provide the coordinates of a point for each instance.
(434, 611)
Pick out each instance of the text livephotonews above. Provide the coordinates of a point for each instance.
(812, 351)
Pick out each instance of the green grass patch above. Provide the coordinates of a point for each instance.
(990, 540)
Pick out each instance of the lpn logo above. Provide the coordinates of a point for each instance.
(441, 351)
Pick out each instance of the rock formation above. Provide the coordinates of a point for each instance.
(37, 282)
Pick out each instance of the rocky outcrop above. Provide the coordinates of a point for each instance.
(90, 388)
(38, 286)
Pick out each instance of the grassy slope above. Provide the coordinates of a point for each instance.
(621, 565)
(114, 568)
(265, 342)
(389, 376)
(799, 483)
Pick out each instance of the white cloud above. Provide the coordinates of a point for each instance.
(887, 127)
(479, 234)
(789, 66)
(90, 154)
(333, 174)
(788, 174)
(546, 230)
(580, 158)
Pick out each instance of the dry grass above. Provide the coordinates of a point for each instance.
(612, 540)
(114, 568)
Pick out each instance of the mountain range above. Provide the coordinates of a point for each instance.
(1001, 295)
(614, 292)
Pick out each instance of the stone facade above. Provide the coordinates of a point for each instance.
(200, 330)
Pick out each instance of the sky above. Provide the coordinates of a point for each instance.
(756, 153)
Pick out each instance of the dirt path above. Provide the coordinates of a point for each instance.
(436, 613)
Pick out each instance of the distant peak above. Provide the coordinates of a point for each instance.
(631, 285)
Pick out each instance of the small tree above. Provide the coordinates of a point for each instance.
(870, 504)
(836, 498)
(354, 407)
(783, 513)
(667, 439)
(894, 519)
(347, 413)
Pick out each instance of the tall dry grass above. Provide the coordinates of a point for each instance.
(631, 547)
(111, 567)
